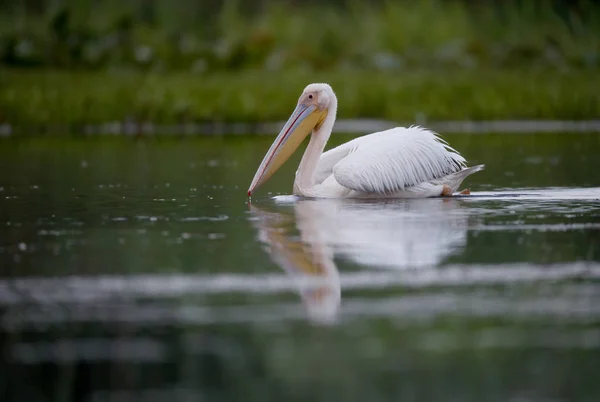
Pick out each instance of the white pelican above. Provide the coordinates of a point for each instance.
(401, 162)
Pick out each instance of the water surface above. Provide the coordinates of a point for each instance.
(137, 270)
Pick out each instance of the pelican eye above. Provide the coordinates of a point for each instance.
(310, 96)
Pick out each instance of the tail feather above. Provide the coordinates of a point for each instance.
(454, 180)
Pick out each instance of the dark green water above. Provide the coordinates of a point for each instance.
(135, 270)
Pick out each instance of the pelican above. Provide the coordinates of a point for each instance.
(400, 162)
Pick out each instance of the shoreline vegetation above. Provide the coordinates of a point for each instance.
(37, 99)
(430, 60)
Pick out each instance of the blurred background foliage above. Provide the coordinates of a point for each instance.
(76, 62)
(206, 35)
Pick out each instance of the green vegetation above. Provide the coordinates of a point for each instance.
(87, 62)
(280, 35)
(31, 98)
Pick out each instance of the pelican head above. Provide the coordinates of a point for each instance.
(310, 113)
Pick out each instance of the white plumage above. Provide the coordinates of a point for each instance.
(389, 161)
(400, 162)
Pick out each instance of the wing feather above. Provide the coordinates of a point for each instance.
(330, 158)
(395, 159)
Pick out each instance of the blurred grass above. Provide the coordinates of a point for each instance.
(33, 98)
(276, 35)
(85, 62)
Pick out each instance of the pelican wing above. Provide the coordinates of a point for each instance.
(393, 160)
(331, 158)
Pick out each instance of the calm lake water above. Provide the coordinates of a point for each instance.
(135, 270)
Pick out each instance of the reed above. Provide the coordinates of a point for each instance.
(28, 98)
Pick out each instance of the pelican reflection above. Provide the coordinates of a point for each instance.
(303, 237)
